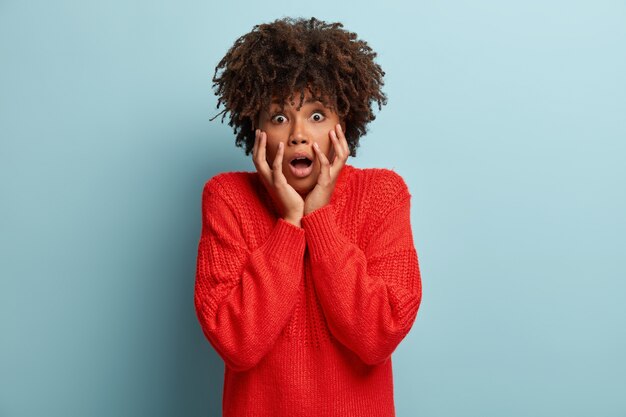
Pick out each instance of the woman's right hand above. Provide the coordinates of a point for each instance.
(290, 203)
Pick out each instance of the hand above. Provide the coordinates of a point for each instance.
(289, 202)
(320, 195)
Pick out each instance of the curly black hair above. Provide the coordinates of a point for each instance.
(292, 54)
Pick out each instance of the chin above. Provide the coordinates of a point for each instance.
(303, 186)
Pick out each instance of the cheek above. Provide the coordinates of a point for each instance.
(330, 155)
(271, 149)
(329, 150)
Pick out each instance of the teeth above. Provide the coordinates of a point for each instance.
(300, 158)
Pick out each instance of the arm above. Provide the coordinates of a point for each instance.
(370, 298)
(243, 298)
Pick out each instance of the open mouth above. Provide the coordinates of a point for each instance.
(301, 162)
(301, 166)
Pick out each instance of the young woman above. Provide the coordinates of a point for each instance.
(307, 274)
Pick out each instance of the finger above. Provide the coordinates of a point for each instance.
(256, 144)
(337, 148)
(263, 166)
(277, 164)
(261, 151)
(342, 139)
(323, 163)
(340, 153)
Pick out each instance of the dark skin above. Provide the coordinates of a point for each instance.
(295, 130)
(286, 56)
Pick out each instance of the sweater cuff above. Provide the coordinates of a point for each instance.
(286, 242)
(322, 234)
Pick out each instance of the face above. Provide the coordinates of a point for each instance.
(298, 130)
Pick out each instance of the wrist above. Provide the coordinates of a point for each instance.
(310, 210)
(296, 221)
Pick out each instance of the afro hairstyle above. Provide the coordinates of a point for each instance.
(288, 55)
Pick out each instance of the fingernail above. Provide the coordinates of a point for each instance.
(339, 127)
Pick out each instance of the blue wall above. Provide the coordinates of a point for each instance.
(507, 120)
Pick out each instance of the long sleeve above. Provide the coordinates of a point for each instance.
(243, 298)
(370, 297)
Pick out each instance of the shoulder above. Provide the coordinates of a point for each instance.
(375, 193)
(383, 185)
(229, 186)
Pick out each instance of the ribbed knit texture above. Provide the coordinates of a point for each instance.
(306, 319)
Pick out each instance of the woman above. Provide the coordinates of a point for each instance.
(307, 275)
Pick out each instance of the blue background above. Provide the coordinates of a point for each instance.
(506, 119)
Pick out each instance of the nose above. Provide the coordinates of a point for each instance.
(298, 133)
(298, 140)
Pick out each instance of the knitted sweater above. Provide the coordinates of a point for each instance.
(306, 318)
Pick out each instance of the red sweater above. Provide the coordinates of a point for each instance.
(306, 319)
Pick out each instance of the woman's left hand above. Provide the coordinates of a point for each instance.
(320, 195)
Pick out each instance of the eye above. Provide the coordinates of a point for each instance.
(317, 114)
(276, 117)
